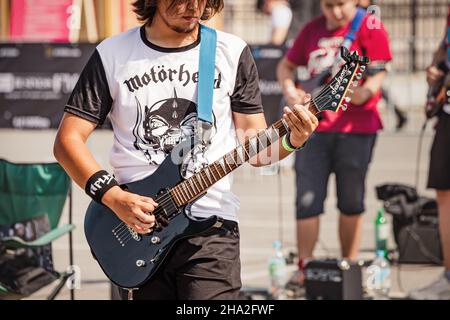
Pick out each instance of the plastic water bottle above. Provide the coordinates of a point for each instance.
(277, 272)
(381, 232)
(379, 277)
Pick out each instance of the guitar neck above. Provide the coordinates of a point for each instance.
(197, 185)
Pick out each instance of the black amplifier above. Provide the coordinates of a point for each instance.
(333, 279)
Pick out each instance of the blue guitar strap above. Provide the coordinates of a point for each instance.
(354, 28)
(448, 45)
(356, 24)
(207, 65)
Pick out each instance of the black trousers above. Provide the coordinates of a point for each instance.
(439, 171)
(205, 267)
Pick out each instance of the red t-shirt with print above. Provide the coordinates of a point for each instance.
(316, 48)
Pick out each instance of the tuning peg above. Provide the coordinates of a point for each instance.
(348, 99)
(359, 76)
(338, 97)
(344, 107)
(341, 88)
(362, 68)
(334, 104)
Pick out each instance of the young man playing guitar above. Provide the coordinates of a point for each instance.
(439, 172)
(146, 81)
(344, 141)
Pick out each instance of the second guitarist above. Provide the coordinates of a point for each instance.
(344, 141)
(439, 175)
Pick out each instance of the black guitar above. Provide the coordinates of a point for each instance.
(439, 94)
(130, 259)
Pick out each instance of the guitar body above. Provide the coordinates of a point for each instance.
(437, 97)
(131, 261)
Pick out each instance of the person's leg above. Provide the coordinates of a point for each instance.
(350, 229)
(312, 166)
(439, 179)
(213, 269)
(440, 288)
(443, 200)
(353, 153)
(307, 236)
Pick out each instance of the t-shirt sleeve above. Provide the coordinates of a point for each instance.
(246, 97)
(297, 53)
(375, 41)
(91, 98)
(281, 16)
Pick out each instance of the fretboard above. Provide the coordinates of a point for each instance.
(190, 189)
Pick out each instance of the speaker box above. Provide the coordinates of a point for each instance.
(333, 279)
(419, 244)
(415, 224)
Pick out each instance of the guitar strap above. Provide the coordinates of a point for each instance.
(351, 34)
(207, 65)
(447, 42)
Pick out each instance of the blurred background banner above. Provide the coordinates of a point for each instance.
(40, 20)
(267, 58)
(36, 81)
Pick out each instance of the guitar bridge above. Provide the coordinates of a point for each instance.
(123, 234)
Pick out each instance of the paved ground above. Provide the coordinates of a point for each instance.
(265, 216)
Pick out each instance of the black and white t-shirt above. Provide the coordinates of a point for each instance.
(150, 95)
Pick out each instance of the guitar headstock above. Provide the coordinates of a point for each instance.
(333, 96)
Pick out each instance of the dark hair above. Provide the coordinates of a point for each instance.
(146, 9)
(260, 5)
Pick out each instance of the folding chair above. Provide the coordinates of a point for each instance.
(32, 198)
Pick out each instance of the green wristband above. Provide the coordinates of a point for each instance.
(287, 144)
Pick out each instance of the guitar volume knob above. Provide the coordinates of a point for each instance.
(140, 263)
(155, 240)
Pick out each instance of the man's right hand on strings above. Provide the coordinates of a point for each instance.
(132, 209)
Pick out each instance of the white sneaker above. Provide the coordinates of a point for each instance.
(438, 290)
